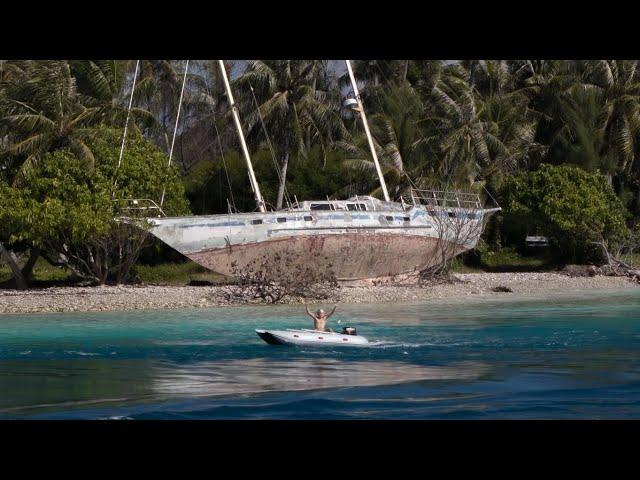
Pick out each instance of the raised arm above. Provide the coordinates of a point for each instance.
(309, 311)
(332, 311)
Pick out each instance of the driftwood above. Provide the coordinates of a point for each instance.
(502, 288)
(614, 266)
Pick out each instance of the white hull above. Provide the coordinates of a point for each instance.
(310, 338)
(385, 240)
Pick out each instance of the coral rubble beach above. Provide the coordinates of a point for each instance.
(469, 285)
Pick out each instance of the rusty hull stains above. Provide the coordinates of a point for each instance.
(352, 257)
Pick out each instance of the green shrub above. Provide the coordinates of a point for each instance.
(575, 208)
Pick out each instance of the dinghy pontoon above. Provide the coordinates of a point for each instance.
(348, 337)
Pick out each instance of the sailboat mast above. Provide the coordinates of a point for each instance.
(236, 117)
(366, 130)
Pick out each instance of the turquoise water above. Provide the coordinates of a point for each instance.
(565, 358)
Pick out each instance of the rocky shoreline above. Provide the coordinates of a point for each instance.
(468, 285)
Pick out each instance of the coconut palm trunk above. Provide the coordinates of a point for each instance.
(291, 100)
(282, 181)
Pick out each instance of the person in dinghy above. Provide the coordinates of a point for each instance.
(320, 318)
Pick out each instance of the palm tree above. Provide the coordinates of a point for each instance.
(423, 75)
(376, 73)
(509, 130)
(619, 83)
(458, 131)
(611, 113)
(481, 122)
(544, 82)
(100, 81)
(582, 138)
(398, 140)
(45, 110)
(203, 109)
(157, 91)
(291, 102)
(509, 122)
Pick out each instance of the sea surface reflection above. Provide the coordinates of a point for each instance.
(263, 375)
(573, 357)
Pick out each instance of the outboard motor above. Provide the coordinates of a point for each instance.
(349, 331)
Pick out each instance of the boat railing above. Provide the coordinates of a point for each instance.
(139, 205)
(443, 198)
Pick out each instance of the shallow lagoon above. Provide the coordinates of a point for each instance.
(570, 357)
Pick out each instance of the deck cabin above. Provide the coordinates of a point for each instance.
(353, 204)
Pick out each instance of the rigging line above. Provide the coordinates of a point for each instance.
(271, 149)
(273, 155)
(411, 182)
(382, 73)
(175, 131)
(489, 193)
(224, 163)
(126, 125)
(377, 66)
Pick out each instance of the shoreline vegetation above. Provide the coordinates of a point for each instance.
(463, 286)
(84, 143)
(183, 272)
(186, 285)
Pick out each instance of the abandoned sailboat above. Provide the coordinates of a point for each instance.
(358, 238)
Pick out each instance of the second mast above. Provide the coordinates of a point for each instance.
(236, 117)
(366, 131)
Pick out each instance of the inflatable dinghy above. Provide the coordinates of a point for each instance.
(348, 337)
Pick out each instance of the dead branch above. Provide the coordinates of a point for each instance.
(272, 279)
(457, 230)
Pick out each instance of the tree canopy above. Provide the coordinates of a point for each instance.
(575, 208)
(70, 212)
(495, 127)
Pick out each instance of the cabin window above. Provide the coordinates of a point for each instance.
(389, 218)
(257, 221)
(356, 206)
(308, 218)
(281, 219)
(321, 206)
(452, 214)
(406, 219)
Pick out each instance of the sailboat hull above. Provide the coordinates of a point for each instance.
(350, 245)
(349, 256)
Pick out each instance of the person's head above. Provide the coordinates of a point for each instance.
(320, 313)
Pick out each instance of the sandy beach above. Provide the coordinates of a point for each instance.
(471, 285)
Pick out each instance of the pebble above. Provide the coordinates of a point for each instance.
(125, 297)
